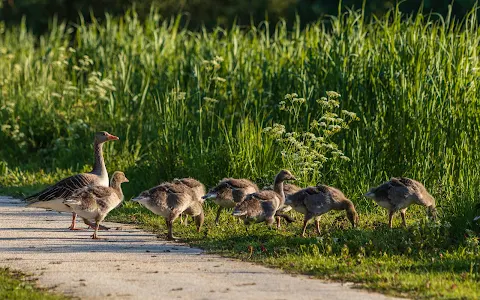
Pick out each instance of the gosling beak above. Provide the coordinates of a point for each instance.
(210, 195)
(112, 137)
(293, 178)
(238, 213)
(126, 179)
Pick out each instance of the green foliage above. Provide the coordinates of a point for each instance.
(419, 261)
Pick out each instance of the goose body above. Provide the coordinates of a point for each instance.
(399, 193)
(288, 189)
(313, 202)
(95, 202)
(230, 191)
(53, 196)
(263, 206)
(169, 200)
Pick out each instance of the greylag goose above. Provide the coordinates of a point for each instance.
(230, 191)
(169, 200)
(197, 187)
(53, 196)
(315, 201)
(264, 205)
(398, 194)
(288, 189)
(94, 202)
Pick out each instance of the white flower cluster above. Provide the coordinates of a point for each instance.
(307, 151)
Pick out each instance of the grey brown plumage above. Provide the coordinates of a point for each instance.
(315, 201)
(197, 187)
(95, 202)
(169, 200)
(288, 190)
(53, 196)
(230, 191)
(399, 193)
(263, 206)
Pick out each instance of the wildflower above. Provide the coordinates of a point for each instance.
(333, 94)
(208, 99)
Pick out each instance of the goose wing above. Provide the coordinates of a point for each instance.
(240, 183)
(64, 188)
(318, 201)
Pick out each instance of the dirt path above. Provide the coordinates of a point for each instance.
(132, 264)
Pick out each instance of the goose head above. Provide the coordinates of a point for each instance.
(118, 177)
(370, 194)
(285, 175)
(353, 217)
(103, 136)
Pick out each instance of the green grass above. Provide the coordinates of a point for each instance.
(15, 286)
(197, 104)
(419, 261)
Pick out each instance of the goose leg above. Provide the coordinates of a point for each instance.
(317, 225)
(390, 219)
(218, 215)
(305, 222)
(278, 222)
(92, 225)
(94, 236)
(170, 236)
(74, 218)
(402, 212)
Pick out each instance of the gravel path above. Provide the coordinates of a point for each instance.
(132, 264)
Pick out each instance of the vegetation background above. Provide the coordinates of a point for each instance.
(190, 98)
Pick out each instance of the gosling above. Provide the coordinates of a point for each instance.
(264, 205)
(315, 201)
(230, 191)
(398, 193)
(95, 202)
(169, 200)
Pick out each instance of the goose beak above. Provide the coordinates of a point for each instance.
(209, 195)
(112, 137)
(238, 213)
(369, 195)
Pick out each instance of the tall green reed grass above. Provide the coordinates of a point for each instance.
(195, 103)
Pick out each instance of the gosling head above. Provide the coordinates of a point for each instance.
(370, 194)
(118, 177)
(285, 175)
(210, 195)
(353, 217)
(143, 198)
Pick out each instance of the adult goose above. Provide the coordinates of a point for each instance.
(264, 205)
(94, 202)
(315, 201)
(53, 196)
(398, 193)
(169, 200)
(230, 191)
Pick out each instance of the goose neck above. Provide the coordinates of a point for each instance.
(278, 188)
(99, 166)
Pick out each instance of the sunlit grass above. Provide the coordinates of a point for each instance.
(196, 103)
(14, 285)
